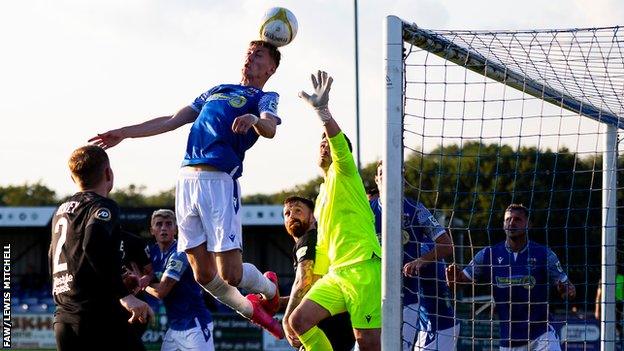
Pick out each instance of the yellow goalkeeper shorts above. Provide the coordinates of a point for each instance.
(355, 288)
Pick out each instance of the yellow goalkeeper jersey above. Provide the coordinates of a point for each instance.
(346, 224)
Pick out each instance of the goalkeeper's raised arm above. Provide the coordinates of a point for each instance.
(319, 100)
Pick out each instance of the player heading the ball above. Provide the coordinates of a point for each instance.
(227, 120)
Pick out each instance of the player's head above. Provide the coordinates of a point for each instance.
(298, 215)
(516, 223)
(261, 61)
(379, 175)
(90, 169)
(372, 192)
(163, 226)
(325, 159)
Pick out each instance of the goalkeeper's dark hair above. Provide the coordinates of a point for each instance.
(346, 138)
(309, 203)
(518, 207)
(273, 51)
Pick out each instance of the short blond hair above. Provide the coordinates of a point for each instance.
(164, 213)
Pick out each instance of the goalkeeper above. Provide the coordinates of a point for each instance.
(347, 251)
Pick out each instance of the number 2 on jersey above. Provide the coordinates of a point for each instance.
(61, 226)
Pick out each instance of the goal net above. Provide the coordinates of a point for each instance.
(479, 120)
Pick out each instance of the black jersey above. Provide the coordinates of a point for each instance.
(85, 259)
(337, 328)
(133, 250)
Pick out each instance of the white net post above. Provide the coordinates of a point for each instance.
(392, 192)
(609, 239)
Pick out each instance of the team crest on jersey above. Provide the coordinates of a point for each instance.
(103, 214)
(237, 101)
(405, 237)
(175, 265)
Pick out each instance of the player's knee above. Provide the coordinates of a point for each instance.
(368, 341)
(299, 323)
(205, 276)
(232, 277)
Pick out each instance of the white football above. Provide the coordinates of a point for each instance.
(278, 26)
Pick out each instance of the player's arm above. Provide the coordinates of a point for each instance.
(161, 289)
(176, 266)
(304, 279)
(147, 276)
(474, 271)
(443, 244)
(341, 155)
(558, 277)
(443, 248)
(154, 126)
(266, 123)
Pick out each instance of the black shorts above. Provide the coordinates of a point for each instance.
(100, 335)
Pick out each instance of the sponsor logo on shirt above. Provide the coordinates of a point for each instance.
(525, 281)
(236, 101)
(103, 214)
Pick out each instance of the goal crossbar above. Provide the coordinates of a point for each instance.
(476, 62)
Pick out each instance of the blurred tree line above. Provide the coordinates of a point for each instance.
(38, 194)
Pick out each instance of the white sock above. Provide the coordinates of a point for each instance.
(253, 281)
(230, 296)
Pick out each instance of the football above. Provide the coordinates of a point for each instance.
(278, 26)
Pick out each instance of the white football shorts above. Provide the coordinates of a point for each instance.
(208, 210)
(196, 339)
(545, 342)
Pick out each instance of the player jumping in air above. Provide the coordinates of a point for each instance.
(521, 272)
(227, 120)
(347, 251)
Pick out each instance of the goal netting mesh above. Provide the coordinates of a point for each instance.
(492, 118)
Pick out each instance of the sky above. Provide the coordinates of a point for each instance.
(71, 68)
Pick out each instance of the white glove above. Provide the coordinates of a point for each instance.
(319, 99)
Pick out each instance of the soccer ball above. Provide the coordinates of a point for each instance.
(279, 26)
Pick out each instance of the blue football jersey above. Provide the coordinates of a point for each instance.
(520, 284)
(211, 140)
(420, 230)
(184, 304)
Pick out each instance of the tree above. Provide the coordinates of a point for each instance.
(35, 194)
(134, 196)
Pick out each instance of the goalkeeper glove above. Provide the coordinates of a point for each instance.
(319, 99)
